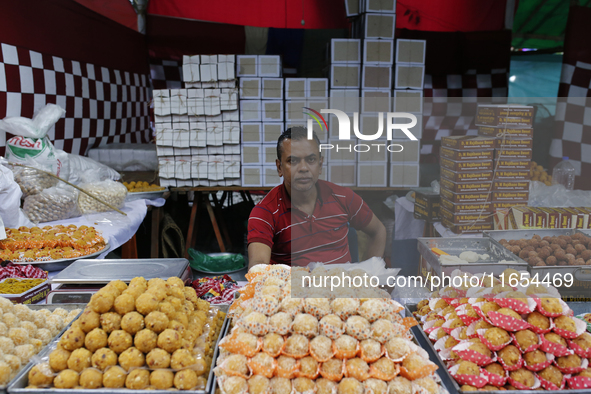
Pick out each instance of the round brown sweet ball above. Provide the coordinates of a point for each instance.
(73, 338)
(560, 254)
(95, 339)
(169, 340)
(580, 248)
(185, 380)
(91, 378)
(585, 240)
(138, 379)
(66, 379)
(547, 239)
(554, 246)
(522, 243)
(158, 358)
(523, 254)
(145, 340)
(515, 249)
(101, 302)
(40, 375)
(103, 359)
(114, 378)
(586, 254)
(58, 359)
(532, 255)
(503, 242)
(132, 322)
(79, 360)
(119, 341)
(563, 262)
(89, 320)
(579, 261)
(125, 303)
(544, 243)
(570, 258)
(131, 358)
(543, 254)
(571, 250)
(162, 379)
(536, 237)
(540, 264)
(531, 263)
(156, 321)
(110, 322)
(562, 243)
(513, 242)
(588, 262)
(551, 260)
(534, 243)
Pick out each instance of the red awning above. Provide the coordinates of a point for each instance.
(317, 14)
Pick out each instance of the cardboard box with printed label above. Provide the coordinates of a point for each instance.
(250, 88)
(507, 205)
(427, 206)
(513, 154)
(462, 198)
(513, 175)
(504, 115)
(269, 154)
(467, 176)
(381, 6)
(272, 110)
(507, 132)
(468, 142)
(466, 155)
(510, 186)
(466, 218)
(510, 196)
(465, 187)
(295, 88)
(513, 143)
(467, 208)
(511, 165)
(468, 228)
(247, 65)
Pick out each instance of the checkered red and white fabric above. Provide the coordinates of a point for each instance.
(572, 136)
(166, 74)
(450, 103)
(102, 105)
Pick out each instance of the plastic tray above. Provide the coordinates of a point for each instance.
(455, 246)
(68, 307)
(21, 380)
(453, 386)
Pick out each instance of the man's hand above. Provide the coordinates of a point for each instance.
(377, 238)
(259, 253)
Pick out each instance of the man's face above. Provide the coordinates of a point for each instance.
(300, 164)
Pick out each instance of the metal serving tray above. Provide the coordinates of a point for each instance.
(68, 307)
(455, 246)
(60, 264)
(212, 380)
(104, 271)
(453, 386)
(581, 273)
(132, 196)
(22, 379)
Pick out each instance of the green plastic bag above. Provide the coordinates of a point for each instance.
(215, 262)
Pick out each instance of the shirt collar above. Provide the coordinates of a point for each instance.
(324, 192)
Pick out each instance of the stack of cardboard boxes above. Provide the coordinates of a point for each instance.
(512, 128)
(198, 129)
(522, 217)
(466, 183)
(483, 177)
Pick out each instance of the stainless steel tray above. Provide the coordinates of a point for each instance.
(22, 379)
(212, 380)
(51, 307)
(455, 246)
(145, 195)
(453, 386)
(581, 273)
(60, 264)
(104, 271)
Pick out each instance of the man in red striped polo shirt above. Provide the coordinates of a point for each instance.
(305, 219)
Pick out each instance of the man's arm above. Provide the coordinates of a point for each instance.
(377, 238)
(259, 253)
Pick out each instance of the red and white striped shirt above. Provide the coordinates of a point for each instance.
(298, 239)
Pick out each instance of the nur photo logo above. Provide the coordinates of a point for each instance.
(389, 119)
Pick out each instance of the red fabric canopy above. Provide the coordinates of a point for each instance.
(120, 11)
(317, 14)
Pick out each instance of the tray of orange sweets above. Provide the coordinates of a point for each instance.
(330, 342)
(51, 247)
(495, 337)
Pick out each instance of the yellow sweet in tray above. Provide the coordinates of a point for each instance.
(142, 186)
(18, 286)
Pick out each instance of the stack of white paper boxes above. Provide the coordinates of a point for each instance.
(270, 104)
(198, 128)
(361, 82)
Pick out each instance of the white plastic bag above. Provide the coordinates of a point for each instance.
(30, 140)
(108, 191)
(10, 196)
(84, 170)
(55, 203)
